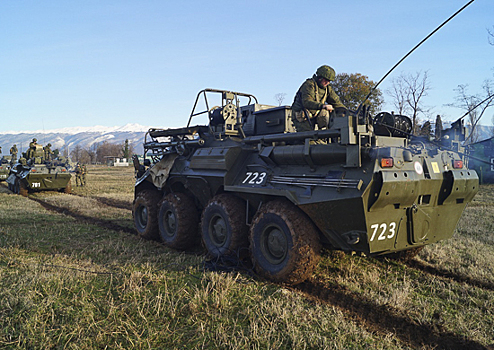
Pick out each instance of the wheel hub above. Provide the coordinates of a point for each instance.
(142, 216)
(170, 222)
(274, 245)
(218, 230)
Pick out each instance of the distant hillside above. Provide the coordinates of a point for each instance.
(71, 137)
(88, 136)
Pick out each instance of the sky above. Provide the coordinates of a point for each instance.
(110, 63)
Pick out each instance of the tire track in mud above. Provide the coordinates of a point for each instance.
(88, 219)
(384, 319)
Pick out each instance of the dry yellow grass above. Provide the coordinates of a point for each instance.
(69, 283)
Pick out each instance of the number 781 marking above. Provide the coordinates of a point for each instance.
(385, 232)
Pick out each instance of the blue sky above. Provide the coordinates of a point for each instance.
(97, 62)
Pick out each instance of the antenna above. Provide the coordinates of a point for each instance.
(409, 53)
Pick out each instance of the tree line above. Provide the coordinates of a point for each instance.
(99, 153)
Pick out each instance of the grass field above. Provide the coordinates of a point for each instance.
(74, 276)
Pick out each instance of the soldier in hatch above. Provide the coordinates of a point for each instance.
(48, 152)
(315, 100)
(32, 148)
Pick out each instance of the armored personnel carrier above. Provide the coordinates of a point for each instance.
(4, 167)
(34, 172)
(247, 182)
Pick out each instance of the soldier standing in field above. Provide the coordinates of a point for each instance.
(13, 152)
(315, 100)
(78, 175)
(84, 172)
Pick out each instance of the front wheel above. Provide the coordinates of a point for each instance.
(284, 243)
(178, 221)
(145, 214)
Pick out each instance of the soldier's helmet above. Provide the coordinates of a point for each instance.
(35, 140)
(49, 145)
(326, 72)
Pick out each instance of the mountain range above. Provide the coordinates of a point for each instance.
(68, 138)
(88, 136)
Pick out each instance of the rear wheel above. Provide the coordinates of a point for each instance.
(145, 214)
(223, 225)
(178, 221)
(284, 243)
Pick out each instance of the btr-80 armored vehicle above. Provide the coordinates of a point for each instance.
(247, 182)
(4, 167)
(37, 173)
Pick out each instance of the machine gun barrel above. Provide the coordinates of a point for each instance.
(161, 145)
(290, 137)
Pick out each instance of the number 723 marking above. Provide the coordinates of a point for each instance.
(383, 231)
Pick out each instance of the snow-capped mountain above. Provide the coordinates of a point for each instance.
(70, 137)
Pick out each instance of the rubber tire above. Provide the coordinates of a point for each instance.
(145, 214)
(178, 221)
(228, 213)
(68, 188)
(299, 255)
(23, 190)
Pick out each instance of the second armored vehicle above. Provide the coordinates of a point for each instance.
(4, 167)
(246, 182)
(37, 173)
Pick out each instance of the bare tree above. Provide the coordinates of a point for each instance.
(107, 149)
(407, 92)
(470, 104)
(398, 93)
(75, 154)
(90, 152)
(280, 97)
(490, 36)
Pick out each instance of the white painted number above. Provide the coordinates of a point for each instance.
(36, 184)
(254, 178)
(384, 231)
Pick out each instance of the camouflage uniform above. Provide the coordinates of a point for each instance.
(311, 97)
(13, 152)
(84, 172)
(47, 151)
(32, 149)
(78, 175)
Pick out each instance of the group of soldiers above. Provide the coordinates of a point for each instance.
(47, 152)
(80, 169)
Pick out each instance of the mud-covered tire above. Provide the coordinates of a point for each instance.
(284, 243)
(223, 226)
(68, 188)
(178, 221)
(23, 190)
(145, 214)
